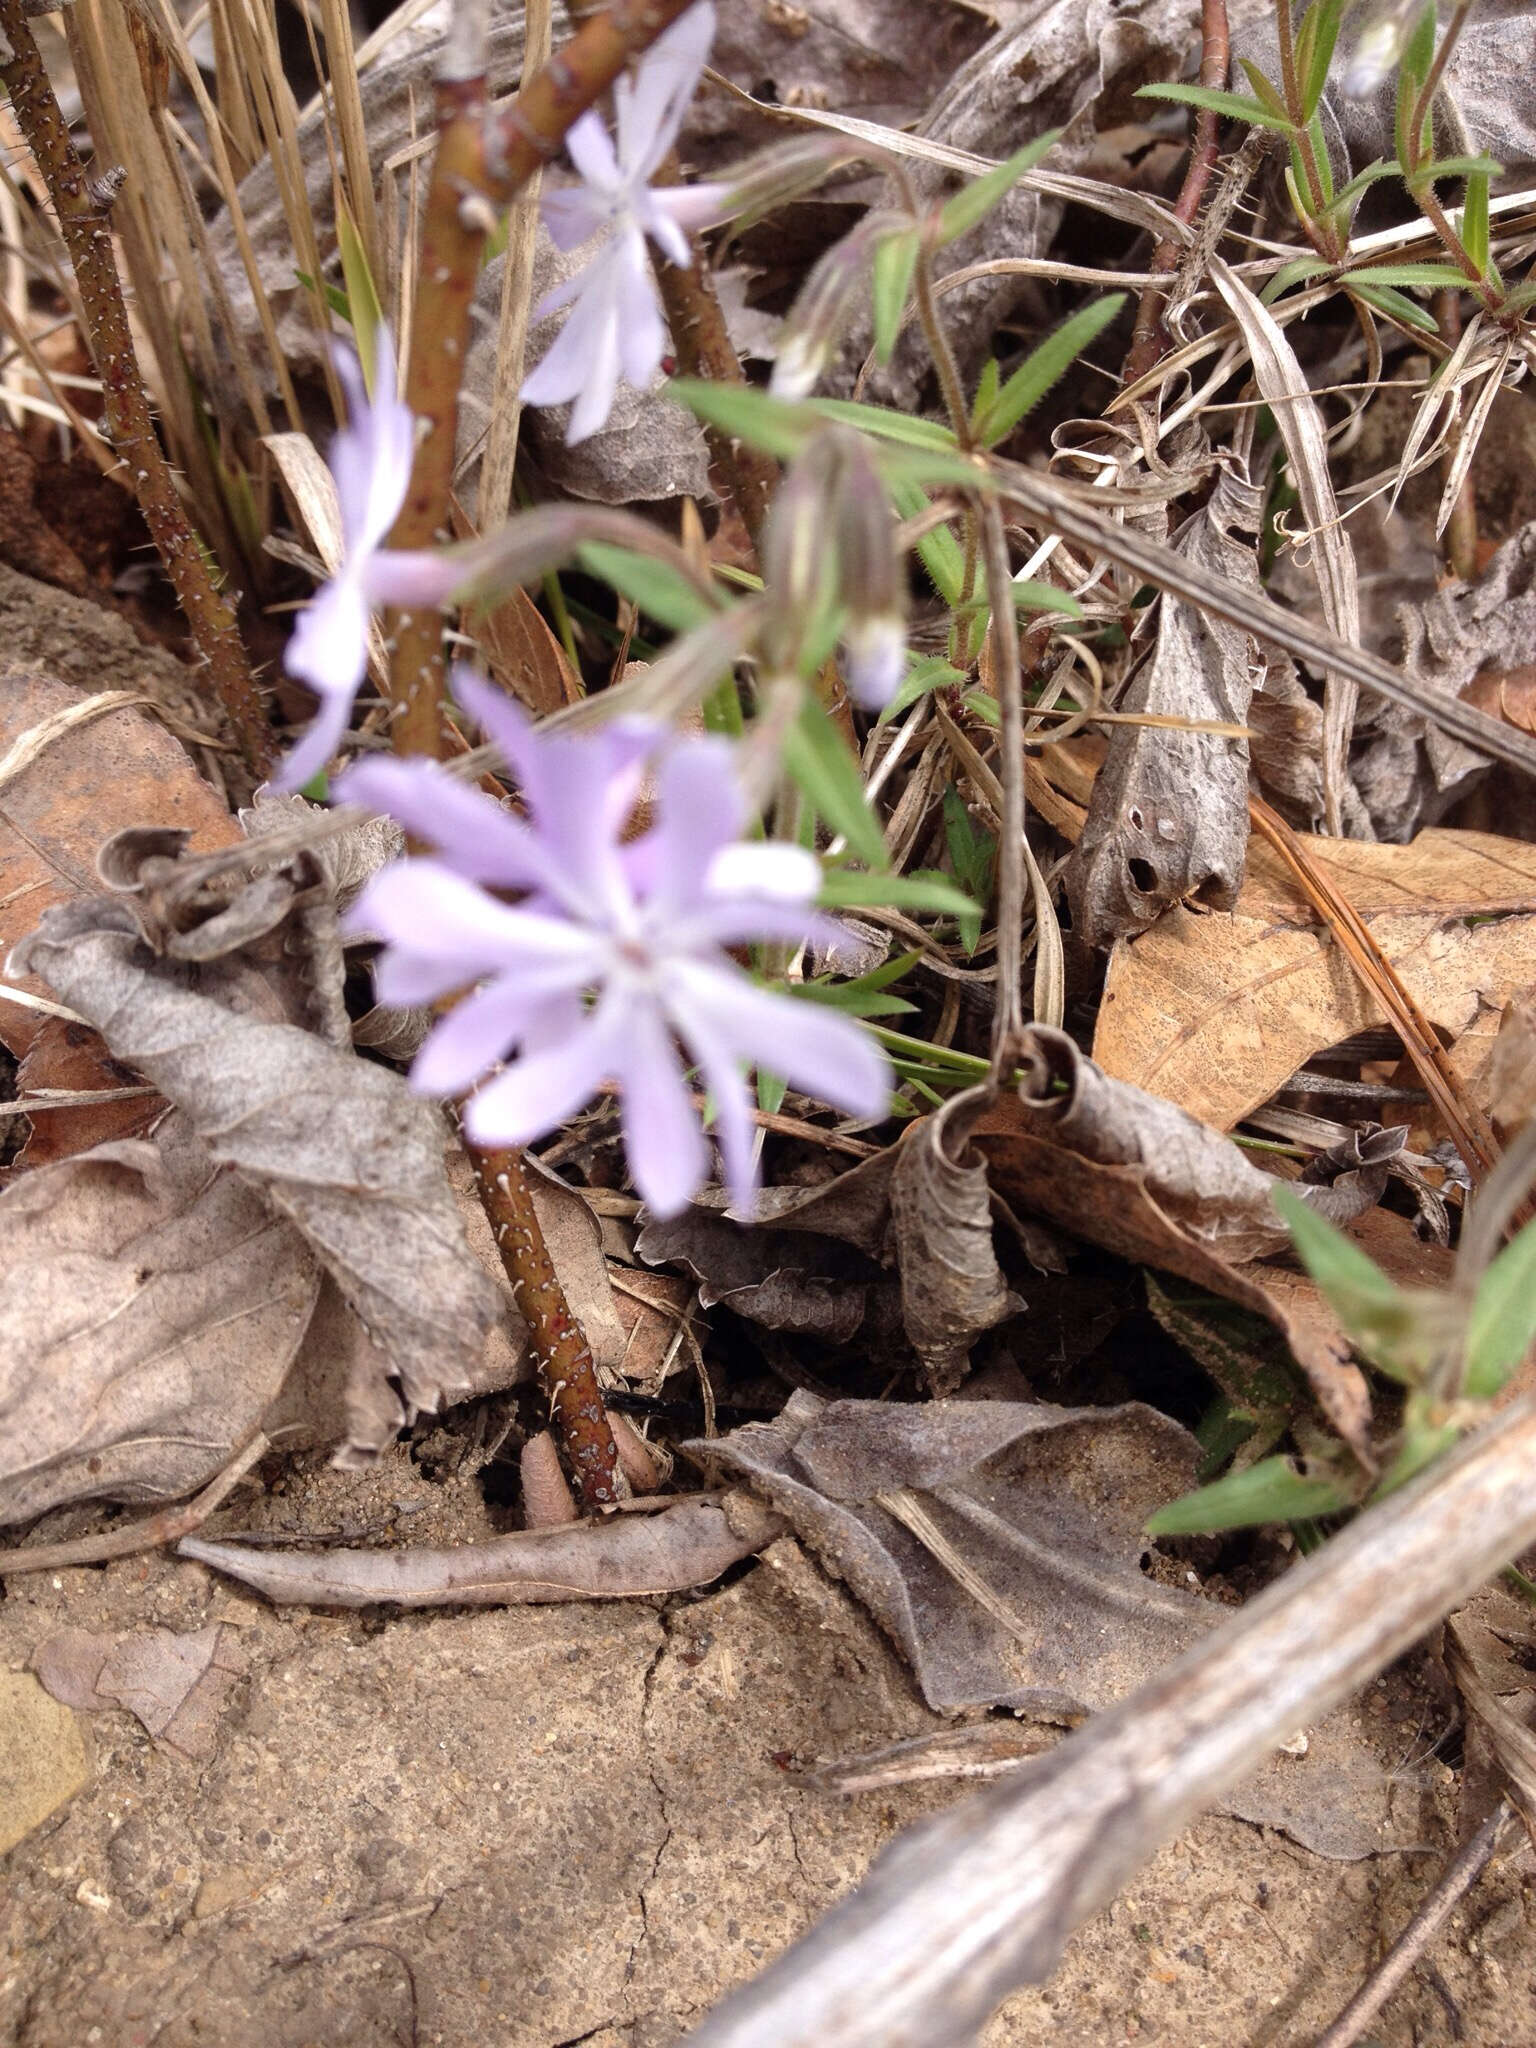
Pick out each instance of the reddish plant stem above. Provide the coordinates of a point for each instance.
(1149, 341)
(82, 200)
(560, 1346)
(479, 162)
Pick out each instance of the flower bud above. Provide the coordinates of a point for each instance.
(799, 564)
(814, 325)
(1379, 45)
(871, 578)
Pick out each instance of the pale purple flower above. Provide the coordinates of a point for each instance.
(370, 458)
(615, 322)
(615, 953)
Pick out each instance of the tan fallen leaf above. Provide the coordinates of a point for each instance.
(177, 1685)
(1217, 1012)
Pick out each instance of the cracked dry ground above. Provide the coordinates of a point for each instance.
(565, 1824)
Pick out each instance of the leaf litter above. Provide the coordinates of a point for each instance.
(294, 1247)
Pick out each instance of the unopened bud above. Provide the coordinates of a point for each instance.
(799, 561)
(786, 171)
(871, 578)
(814, 325)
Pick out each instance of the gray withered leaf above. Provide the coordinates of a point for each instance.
(1000, 1544)
(1168, 818)
(150, 1307)
(333, 1143)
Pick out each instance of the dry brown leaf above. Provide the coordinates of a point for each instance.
(121, 769)
(1000, 1544)
(1216, 1013)
(336, 1144)
(1489, 1651)
(1168, 815)
(1134, 1173)
(72, 1056)
(941, 1211)
(177, 1685)
(626, 1556)
(523, 655)
(149, 1308)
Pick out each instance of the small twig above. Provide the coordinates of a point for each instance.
(1456, 1880)
(705, 349)
(83, 203)
(1150, 339)
(1468, 1126)
(560, 1347)
(168, 1526)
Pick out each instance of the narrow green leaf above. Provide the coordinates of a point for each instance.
(1270, 1491)
(771, 1090)
(1426, 276)
(1396, 306)
(818, 760)
(1322, 24)
(772, 424)
(930, 672)
(1235, 105)
(939, 551)
(662, 592)
(1264, 92)
(1296, 271)
(362, 293)
(1379, 1317)
(1457, 167)
(986, 389)
(895, 260)
(1474, 221)
(972, 855)
(1320, 156)
(971, 205)
(1422, 1443)
(1503, 1319)
(889, 425)
(1043, 366)
(850, 889)
(1030, 595)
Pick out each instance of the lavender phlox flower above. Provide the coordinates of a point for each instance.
(612, 965)
(370, 459)
(615, 321)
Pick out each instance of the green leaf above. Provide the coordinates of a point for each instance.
(661, 592)
(971, 205)
(1314, 51)
(1043, 366)
(1264, 92)
(1426, 276)
(1379, 1317)
(1320, 156)
(1270, 1491)
(928, 672)
(881, 420)
(1474, 221)
(1295, 272)
(362, 294)
(1033, 596)
(1235, 105)
(986, 389)
(939, 551)
(1503, 1319)
(895, 260)
(1395, 306)
(334, 297)
(1422, 1443)
(1413, 68)
(851, 889)
(817, 759)
(747, 414)
(972, 855)
(771, 1090)
(1457, 167)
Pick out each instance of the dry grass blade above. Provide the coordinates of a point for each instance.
(1464, 1120)
(964, 1908)
(1283, 386)
(1072, 513)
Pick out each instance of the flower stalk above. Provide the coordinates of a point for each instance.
(477, 165)
(82, 200)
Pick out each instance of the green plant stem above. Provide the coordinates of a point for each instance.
(83, 201)
(1007, 681)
